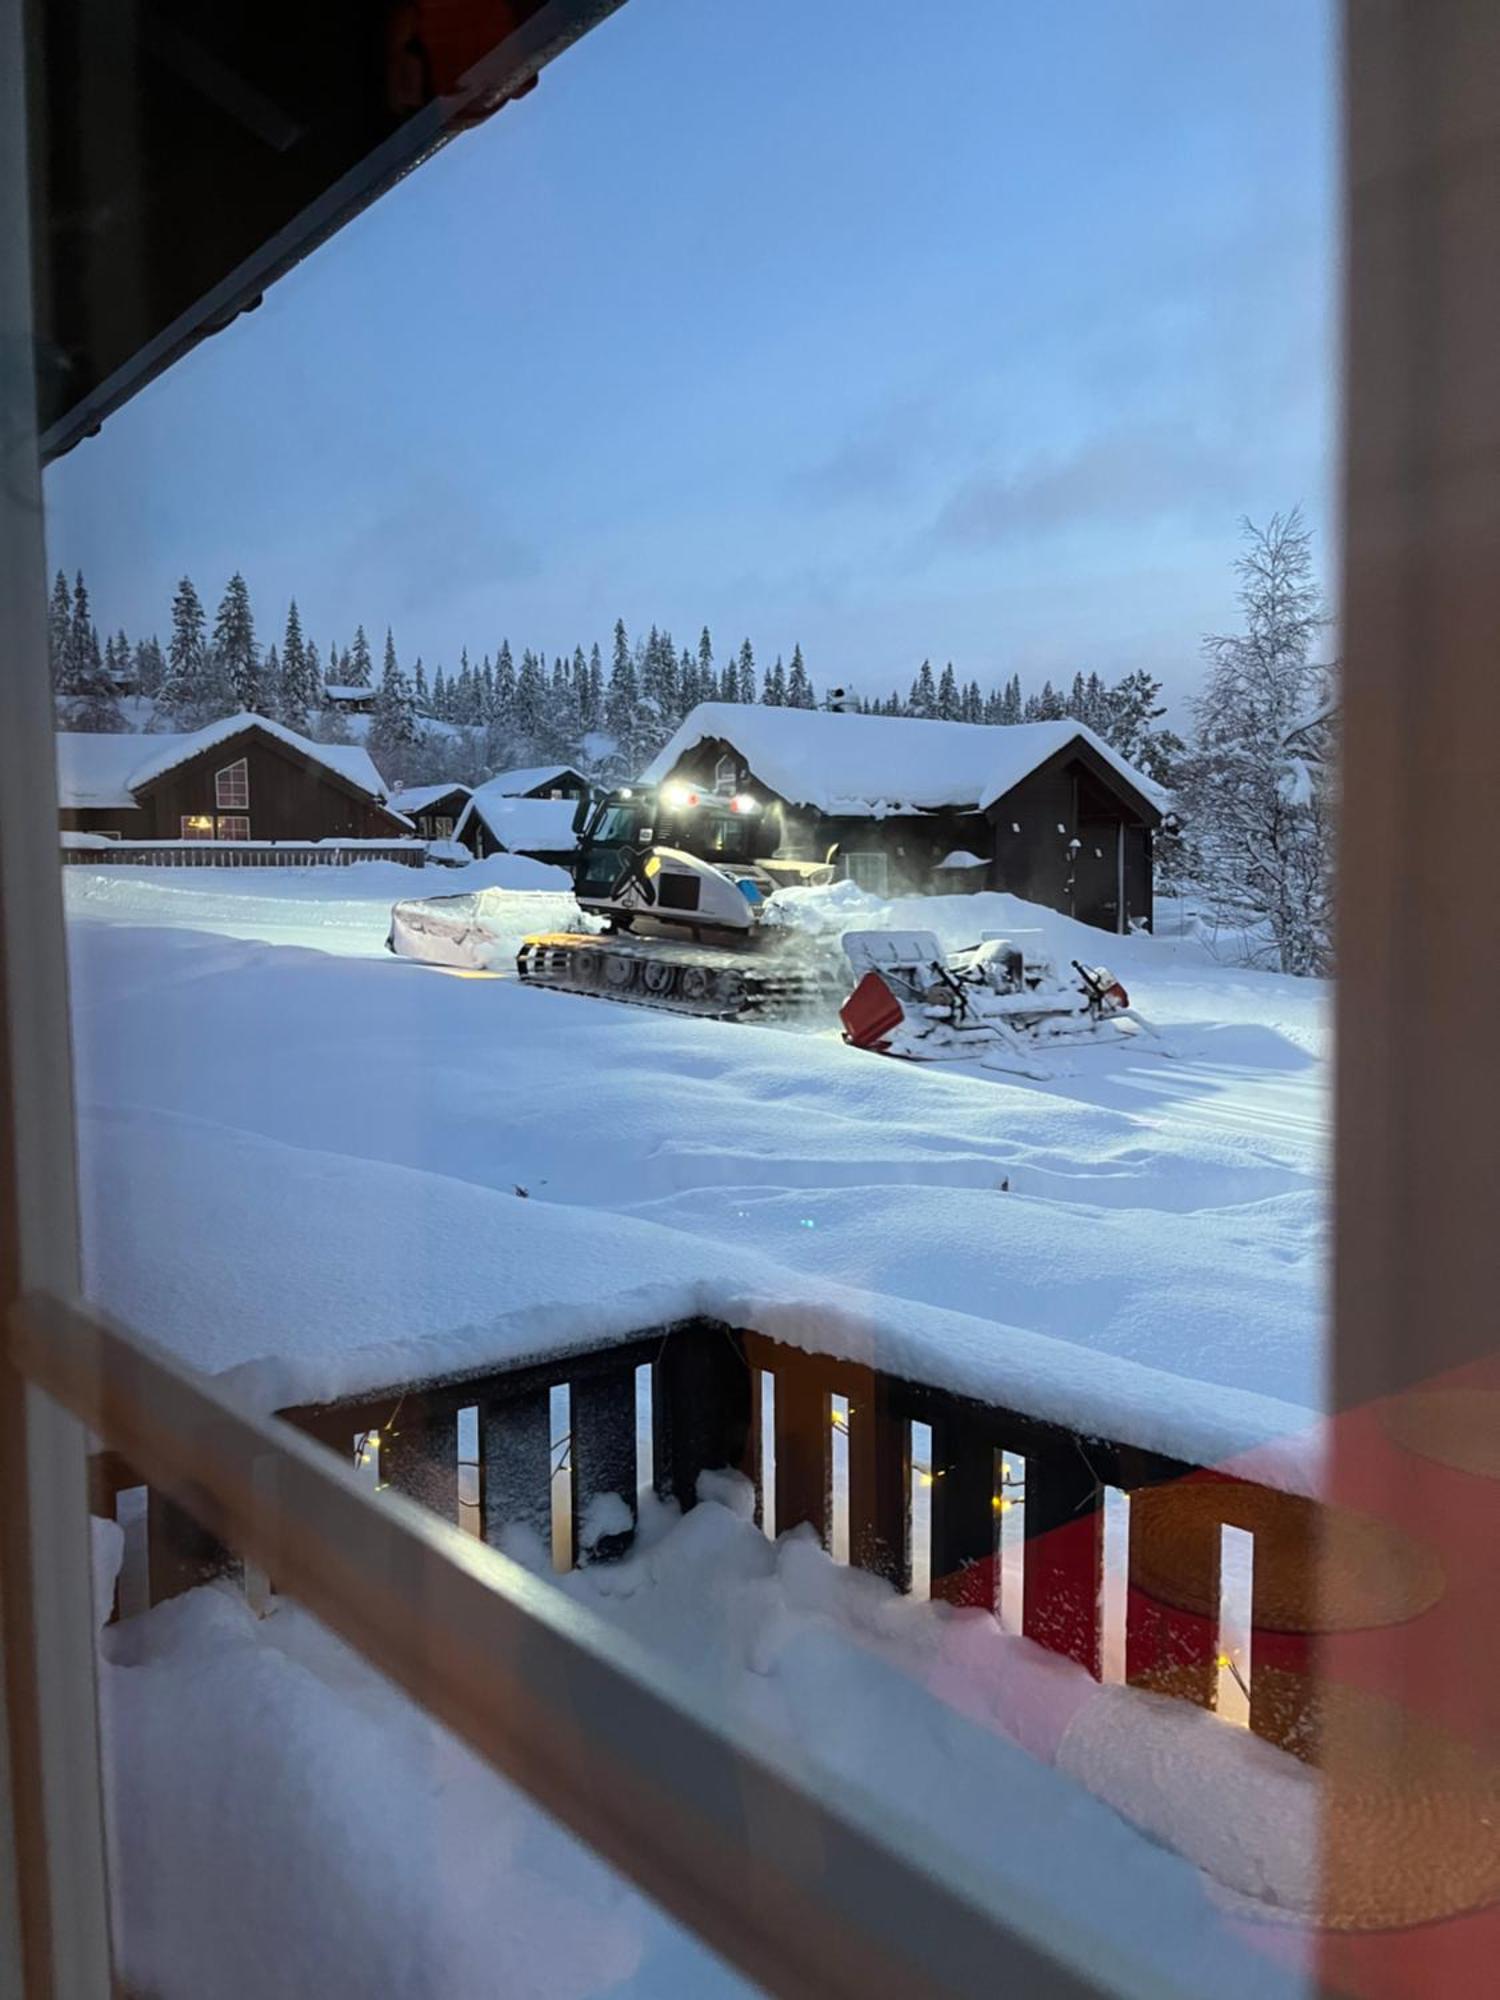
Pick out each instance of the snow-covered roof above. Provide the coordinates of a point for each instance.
(852, 764)
(96, 771)
(349, 761)
(514, 784)
(525, 826)
(344, 691)
(417, 798)
(962, 858)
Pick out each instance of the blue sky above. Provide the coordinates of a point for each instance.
(967, 329)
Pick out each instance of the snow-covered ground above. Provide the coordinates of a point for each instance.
(305, 1161)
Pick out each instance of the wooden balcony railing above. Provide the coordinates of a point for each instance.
(495, 1449)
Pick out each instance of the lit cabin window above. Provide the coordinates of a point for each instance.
(197, 826)
(232, 787)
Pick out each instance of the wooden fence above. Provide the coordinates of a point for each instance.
(241, 853)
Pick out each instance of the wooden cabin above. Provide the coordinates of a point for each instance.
(434, 810)
(1045, 810)
(245, 778)
(529, 811)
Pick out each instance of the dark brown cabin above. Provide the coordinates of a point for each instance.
(258, 782)
(1074, 832)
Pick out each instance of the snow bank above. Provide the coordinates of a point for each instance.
(287, 1817)
(860, 763)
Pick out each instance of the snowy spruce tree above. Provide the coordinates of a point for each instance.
(296, 690)
(87, 699)
(60, 630)
(235, 649)
(1256, 786)
(150, 667)
(773, 694)
(923, 698)
(357, 663)
(622, 705)
(393, 721)
(799, 689)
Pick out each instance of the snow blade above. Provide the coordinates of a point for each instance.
(871, 1014)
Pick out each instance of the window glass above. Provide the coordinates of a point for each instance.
(895, 1301)
(232, 785)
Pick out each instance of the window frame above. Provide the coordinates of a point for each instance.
(239, 788)
(195, 826)
(224, 823)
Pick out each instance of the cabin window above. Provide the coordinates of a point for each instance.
(442, 829)
(197, 826)
(726, 775)
(232, 786)
(869, 871)
(234, 826)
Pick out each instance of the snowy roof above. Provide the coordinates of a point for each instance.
(344, 691)
(962, 858)
(863, 763)
(514, 784)
(94, 770)
(525, 826)
(107, 771)
(417, 798)
(348, 761)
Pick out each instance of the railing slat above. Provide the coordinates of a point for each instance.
(879, 1481)
(701, 1409)
(1065, 1555)
(515, 1463)
(964, 1523)
(804, 1455)
(603, 1457)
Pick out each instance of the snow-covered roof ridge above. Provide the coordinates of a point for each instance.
(349, 761)
(415, 798)
(851, 763)
(515, 784)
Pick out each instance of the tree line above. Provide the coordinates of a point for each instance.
(1253, 783)
(503, 711)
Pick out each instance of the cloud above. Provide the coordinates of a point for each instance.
(880, 459)
(1124, 475)
(437, 542)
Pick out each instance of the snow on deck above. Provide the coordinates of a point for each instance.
(304, 1164)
